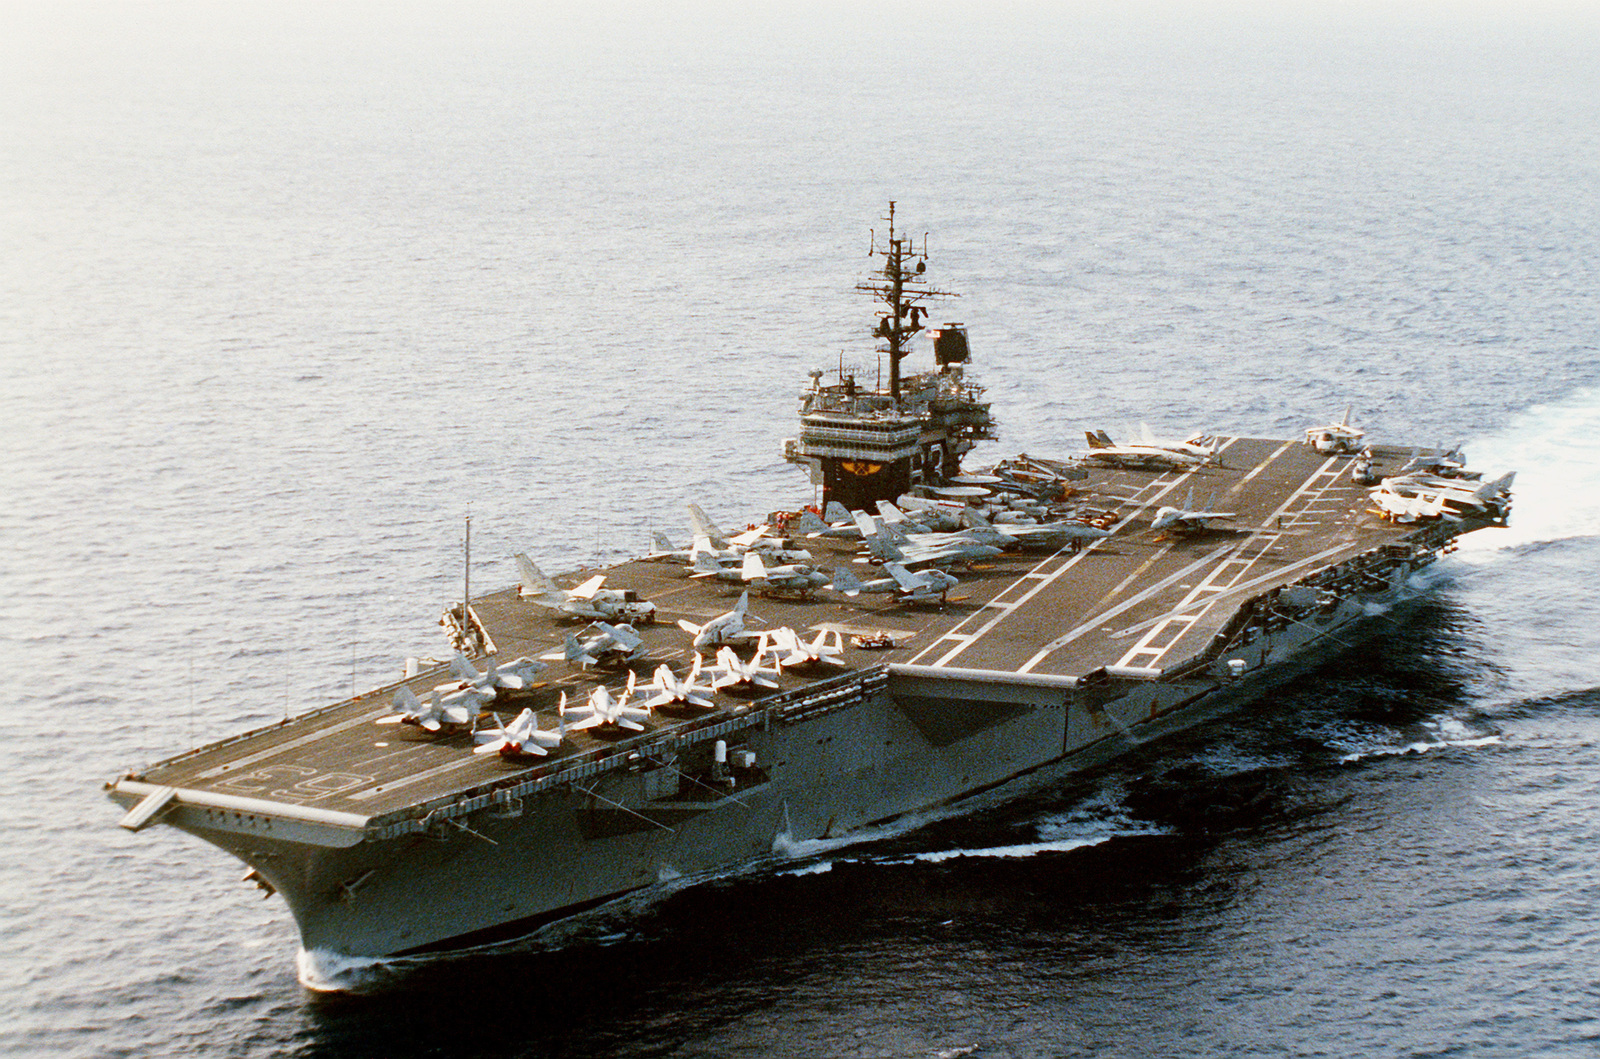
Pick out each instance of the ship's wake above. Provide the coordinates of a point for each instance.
(1557, 491)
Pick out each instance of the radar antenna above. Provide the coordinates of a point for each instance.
(899, 285)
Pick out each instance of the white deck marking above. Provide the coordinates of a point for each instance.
(291, 744)
(1266, 542)
(1044, 581)
(1211, 584)
(415, 777)
(1132, 601)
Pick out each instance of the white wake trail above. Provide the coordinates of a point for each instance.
(1555, 450)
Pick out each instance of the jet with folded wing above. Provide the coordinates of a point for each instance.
(1050, 535)
(588, 602)
(785, 647)
(602, 644)
(430, 716)
(794, 579)
(886, 544)
(667, 689)
(730, 671)
(726, 628)
(521, 738)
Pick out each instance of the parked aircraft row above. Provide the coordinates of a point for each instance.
(1420, 494)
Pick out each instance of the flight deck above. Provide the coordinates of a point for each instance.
(1137, 603)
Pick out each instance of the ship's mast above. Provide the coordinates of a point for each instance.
(899, 286)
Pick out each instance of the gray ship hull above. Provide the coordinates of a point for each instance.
(859, 751)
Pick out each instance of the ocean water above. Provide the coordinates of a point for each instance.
(287, 290)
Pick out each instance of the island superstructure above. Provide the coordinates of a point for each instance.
(390, 839)
(862, 444)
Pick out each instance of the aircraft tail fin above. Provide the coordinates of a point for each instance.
(1496, 488)
(659, 540)
(534, 582)
(705, 565)
(846, 582)
(890, 531)
(807, 522)
(835, 512)
(589, 588)
(1098, 439)
(704, 527)
(890, 513)
(464, 669)
(754, 569)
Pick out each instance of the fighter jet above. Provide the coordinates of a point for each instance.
(663, 551)
(926, 520)
(937, 515)
(521, 738)
(731, 671)
(475, 688)
(1104, 451)
(812, 526)
(1450, 464)
(796, 579)
(706, 566)
(1186, 519)
(604, 711)
(669, 690)
(1394, 506)
(1335, 439)
(1050, 535)
(588, 602)
(887, 544)
(786, 648)
(432, 716)
(836, 521)
(1194, 446)
(602, 644)
(731, 548)
(726, 628)
(924, 586)
(1018, 511)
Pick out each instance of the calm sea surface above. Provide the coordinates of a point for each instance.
(287, 289)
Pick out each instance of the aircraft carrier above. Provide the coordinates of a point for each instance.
(389, 839)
